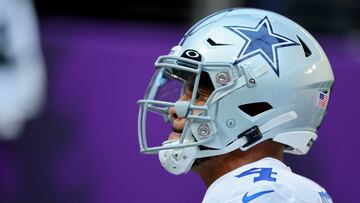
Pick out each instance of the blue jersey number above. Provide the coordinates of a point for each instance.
(263, 174)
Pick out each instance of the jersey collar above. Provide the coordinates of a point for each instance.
(264, 162)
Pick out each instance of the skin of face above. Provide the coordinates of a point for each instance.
(203, 94)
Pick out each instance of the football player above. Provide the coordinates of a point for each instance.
(242, 87)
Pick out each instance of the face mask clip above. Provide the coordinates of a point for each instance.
(252, 135)
(182, 108)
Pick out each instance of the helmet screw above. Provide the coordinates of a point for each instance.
(230, 123)
(222, 78)
(204, 130)
(252, 81)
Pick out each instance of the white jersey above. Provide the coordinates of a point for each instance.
(265, 181)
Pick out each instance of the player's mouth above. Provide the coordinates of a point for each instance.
(175, 134)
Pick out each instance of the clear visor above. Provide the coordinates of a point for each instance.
(166, 86)
(169, 107)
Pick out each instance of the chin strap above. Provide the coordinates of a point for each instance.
(251, 135)
(180, 160)
(279, 120)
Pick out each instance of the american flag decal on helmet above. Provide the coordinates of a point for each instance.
(323, 100)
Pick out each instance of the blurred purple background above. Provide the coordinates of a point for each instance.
(83, 148)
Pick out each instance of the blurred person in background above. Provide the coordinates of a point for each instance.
(242, 87)
(22, 74)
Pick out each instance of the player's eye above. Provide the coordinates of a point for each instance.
(204, 89)
(203, 94)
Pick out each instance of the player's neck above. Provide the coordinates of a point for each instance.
(212, 169)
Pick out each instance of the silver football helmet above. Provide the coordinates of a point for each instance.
(270, 80)
(22, 71)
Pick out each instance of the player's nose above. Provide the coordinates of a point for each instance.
(172, 113)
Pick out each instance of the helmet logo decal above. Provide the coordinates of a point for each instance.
(263, 41)
(192, 54)
(323, 100)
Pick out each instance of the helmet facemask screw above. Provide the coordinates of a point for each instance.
(230, 123)
(204, 130)
(252, 81)
(222, 78)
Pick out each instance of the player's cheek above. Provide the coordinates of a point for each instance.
(198, 112)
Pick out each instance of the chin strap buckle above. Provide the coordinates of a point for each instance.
(252, 135)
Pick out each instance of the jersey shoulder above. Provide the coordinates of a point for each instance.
(304, 188)
(278, 185)
(265, 193)
(265, 181)
(280, 192)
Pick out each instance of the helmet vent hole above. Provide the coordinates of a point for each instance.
(254, 109)
(306, 49)
(213, 43)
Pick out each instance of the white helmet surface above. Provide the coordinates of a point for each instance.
(270, 80)
(22, 72)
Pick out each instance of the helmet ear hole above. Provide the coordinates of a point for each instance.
(253, 109)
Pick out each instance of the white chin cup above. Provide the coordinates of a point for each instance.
(177, 161)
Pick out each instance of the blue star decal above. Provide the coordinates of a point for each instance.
(261, 40)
